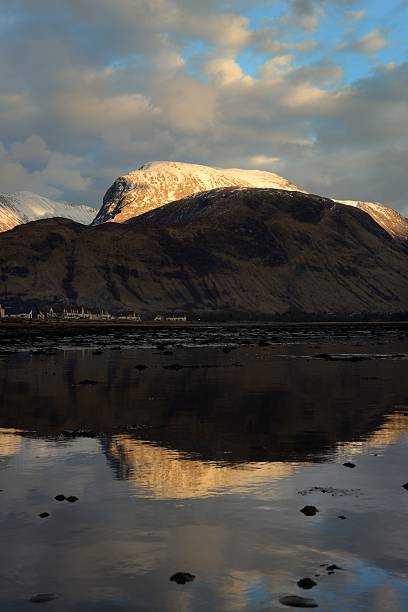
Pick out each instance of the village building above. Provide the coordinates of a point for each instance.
(22, 315)
(81, 314)
(176, 317)
(38, 314)
(2, 312)
(104, 316)
(130, 317)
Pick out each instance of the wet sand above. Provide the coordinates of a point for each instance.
(195, 450)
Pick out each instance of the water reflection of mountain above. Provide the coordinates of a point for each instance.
(164, 473)
(267, 409)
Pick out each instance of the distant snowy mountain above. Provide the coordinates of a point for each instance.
(24, 206)
(161, 182)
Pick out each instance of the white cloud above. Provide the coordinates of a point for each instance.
(225, 71)
(263, 161)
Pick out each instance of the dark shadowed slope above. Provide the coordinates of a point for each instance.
(252, 251)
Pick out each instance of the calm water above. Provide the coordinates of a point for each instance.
(205, 469)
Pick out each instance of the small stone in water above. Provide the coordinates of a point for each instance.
(405, 486)
(182, 577)
(306, 583)
(349, 464)
(72, 498)
(44, 515)
(43, 597)
(298, 602)
(309, 510)
(60, 497)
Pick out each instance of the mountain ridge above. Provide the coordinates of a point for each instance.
(158, 183)
(253, 252)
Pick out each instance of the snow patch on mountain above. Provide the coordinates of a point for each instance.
(24, 206)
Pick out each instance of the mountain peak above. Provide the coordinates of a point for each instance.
(160, 182)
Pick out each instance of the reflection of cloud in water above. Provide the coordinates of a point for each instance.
(163, 473)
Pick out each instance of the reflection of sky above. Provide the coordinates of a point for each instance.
(247, 547)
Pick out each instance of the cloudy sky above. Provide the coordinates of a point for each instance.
(315, 90)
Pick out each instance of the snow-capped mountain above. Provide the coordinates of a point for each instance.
(246, 252)
(24, 206)
(161, 182)
(158, 183)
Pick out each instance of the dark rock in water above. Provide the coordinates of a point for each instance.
(309, 510)
(44, 514)
(44, 597)
(72, 498)
(306, 583)
(405, 486)
(60, 497)
(331, 568)
(79, 433)
(141, 367)
(88, 382)
(226, 349)
(331, 491)
(182, 577)
(349, 464)
(168, 353)
(323, 356)
(298, 602)
(342, 518)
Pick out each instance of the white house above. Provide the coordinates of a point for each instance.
(176, 317)
(130, 317)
